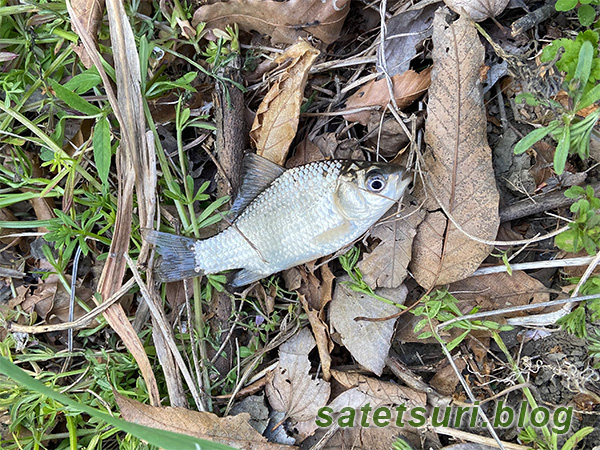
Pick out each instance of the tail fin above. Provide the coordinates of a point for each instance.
(178, 258)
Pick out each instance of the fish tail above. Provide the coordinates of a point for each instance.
(178, 256)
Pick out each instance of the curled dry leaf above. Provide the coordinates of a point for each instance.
(458, 166)
(90, 14)
(386, 265)
(368, 342)
(290, 388)
(276, 120)
(284, 22)
(478, 10)
(234, 431)
(407, 88)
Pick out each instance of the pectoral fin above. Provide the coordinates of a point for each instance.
(333, 234)
(245, 276)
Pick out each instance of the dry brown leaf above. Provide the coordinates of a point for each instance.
(445, 379)
(368, 342)
(459, 164)
(290, 387)
(319, 329)
(382, 392)
(90, 14)
(276, 120)
(499, 290)
(234, 431)
(407, 88)
(284, 22)
(372, 437)
(478, 10)
(386, 265)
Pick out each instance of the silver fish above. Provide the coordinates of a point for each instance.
(284, 218)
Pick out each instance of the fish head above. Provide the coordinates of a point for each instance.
(367, 189)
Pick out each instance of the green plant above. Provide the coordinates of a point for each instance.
(349, 262)
(581, 65)
(576, 321)
(586, 12)
(441, 306)
(594, 348)
(584, 230)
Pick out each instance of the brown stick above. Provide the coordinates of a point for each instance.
(543, 202)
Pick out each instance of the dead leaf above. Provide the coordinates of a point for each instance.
(306, 152)
(386, 265)
(383, 392)
(372, 437)
(368, 342)
(231, 430)
(499, 290)
(284, 22)
(319, 329)
(459, 163)
(290, 387)
(276, 120)
(90, 14)
(478, 10)
(407, 88)
(445, 380)
(404, 32)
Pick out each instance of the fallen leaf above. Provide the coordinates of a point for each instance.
(290, 387)
(307, 151)
(478, 10)
(445, 380)
(90, 14)
(319, 329)
(371, 437)
(231, 430)
(276, 120)
(386, 266)
(404, 32)
(407, 88)
(499, 290)
(459, 164)
(368, 342)
(284, 22)
(380, 392)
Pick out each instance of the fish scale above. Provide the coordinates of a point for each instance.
(281, 224)
(286, 218)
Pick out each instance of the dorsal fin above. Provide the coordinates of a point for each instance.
(257, 174)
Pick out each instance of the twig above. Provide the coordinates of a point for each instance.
(164, 328)
(552, 317)
(465, 436)
(567, 262)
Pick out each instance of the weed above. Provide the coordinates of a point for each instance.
(581, 65)
(584, 230)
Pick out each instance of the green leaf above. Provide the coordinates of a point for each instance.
(160, 438)
(73, 100)
(83, 82)
(586, 15)
(457, 340)
(584, 65)
(102, 149)
(574, 192)
(527, 98)
(565, 5)
(535, 136)
(590, 97)
(568, 241)
(562, 151)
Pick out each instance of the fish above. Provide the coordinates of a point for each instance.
(284, 218)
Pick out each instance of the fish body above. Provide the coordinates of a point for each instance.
(286, 218)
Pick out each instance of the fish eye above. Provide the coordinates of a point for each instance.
(376, 182)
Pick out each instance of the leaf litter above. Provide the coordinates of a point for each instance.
(319, 91)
